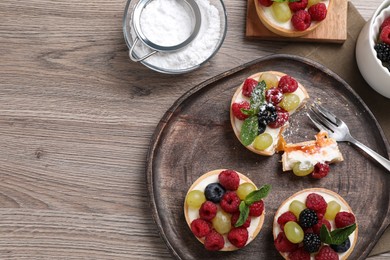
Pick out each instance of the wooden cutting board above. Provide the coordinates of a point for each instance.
(333, 29)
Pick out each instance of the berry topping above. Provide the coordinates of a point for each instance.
(208, 210)
(200, 227)
(267, 114)
(266, 3)
(274, 95)
(343, 247)
(230, 202)
(326, 253)
(235, 217)
(316, 202)
(317, 12)
(229, 179)
(317, 227)
(308, 218)
(311, 242)
(385, 34)
(385, 23)
(301, 20)
(282, 244)
(286, 217)
(256, 209)
(214, 192)
(320, 170)
(281, 118)
(344, 219)
(236, 109)
(382, 51)
(249, 86)
(214, 241)
(298, 5)
(238, 236)
(299, 254)
(287, 84)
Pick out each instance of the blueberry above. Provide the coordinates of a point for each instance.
(262, 128)
(214, 192)
(343, 247)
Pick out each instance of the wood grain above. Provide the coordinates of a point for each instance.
(76, 118)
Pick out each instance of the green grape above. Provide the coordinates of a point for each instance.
(244, 189)
(331, 210)
(195, 198)
(312, 2)
(262, 141)
(271, 81)
(221, 222)
(281, 11)
(290, 101)
(296, 207)
(294, 232)
(302, 170)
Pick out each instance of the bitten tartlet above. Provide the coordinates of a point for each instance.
(261, 107)
(315, 223)
(225, 210)
(292, 18)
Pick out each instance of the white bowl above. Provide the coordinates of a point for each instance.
(376, 75)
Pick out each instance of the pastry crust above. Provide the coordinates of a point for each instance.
(276, 228)
(260, 220)
(281, 130)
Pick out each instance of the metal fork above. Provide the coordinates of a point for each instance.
(323, 119)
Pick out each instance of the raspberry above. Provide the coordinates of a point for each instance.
(238, 236)
(286, 217)
(274, 95)
(287, 84)
(307, 218)
(229, 179)
(317, 227)
(200, 227)
(299, 254)
(266, 3)
(385, 23)
(235, 217)
(311, 242)
(248, 87)
(298, 5)
(326, 253)
(230, 202)
(214, 241)
(256, 209)
(236, 109)
(281, 118)
(282, 244)
(318, 12)
(316, 202)
(344, 219)
(208, 210)
(320, 170)
(301, 20)
(385, 34)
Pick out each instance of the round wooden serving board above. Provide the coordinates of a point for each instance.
(195, 136)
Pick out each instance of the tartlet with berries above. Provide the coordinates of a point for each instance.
(292, 18)
(225, 210)
(315, 224)
(261, 107)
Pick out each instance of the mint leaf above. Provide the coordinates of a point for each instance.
(248, 112)
(257, 194)
(249, 130)
(244, 213)
(258, 97)
(325, 235)
(339, 235)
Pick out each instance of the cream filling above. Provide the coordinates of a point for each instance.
(302, 197)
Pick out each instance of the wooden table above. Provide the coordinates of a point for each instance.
(76, 118)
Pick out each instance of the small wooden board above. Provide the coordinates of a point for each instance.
(333, 28)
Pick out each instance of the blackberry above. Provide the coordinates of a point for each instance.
(214, 192)
(308, 218)
(382, 51)
(343, 247)
(311, 242)
(267, 114)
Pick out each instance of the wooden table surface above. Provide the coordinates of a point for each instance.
(76, 118)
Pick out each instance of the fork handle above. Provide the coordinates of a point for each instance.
(380, 159)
